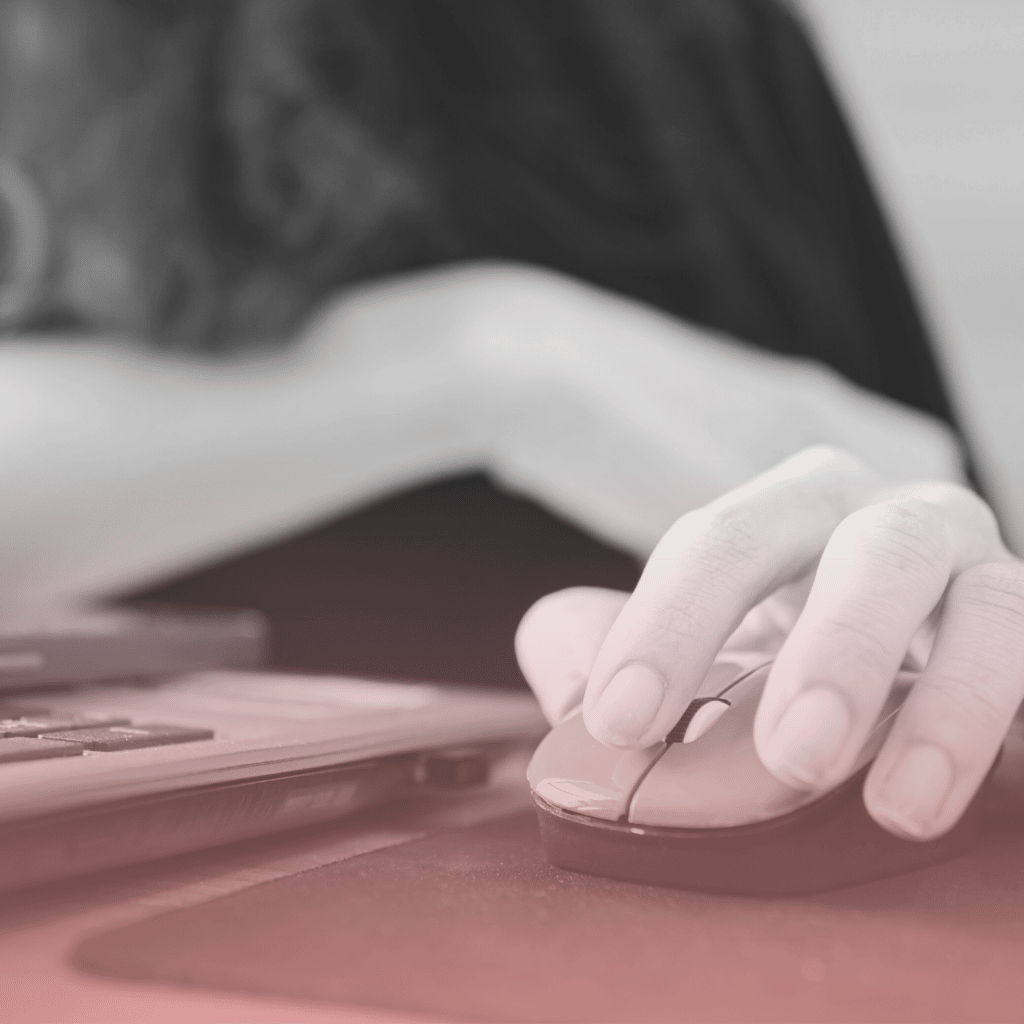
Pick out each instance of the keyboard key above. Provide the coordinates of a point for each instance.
(133, 737)
(24, 748)
(36, 726)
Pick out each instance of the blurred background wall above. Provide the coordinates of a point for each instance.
(935, 89)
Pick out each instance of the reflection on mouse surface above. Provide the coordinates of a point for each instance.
(700, 811)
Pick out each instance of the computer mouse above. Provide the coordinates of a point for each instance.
(699, 811)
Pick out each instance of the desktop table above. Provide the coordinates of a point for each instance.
(444, 910)
(40, 929)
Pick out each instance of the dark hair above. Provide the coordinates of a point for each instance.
(254, 154)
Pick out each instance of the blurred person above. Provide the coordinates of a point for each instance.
(269, 262)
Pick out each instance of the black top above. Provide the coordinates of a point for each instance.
(688, 153)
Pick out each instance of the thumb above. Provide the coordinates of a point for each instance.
(558, 640)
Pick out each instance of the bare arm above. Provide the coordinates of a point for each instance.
(119, 467)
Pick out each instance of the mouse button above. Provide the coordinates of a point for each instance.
(711, 793)
(715, 782)
(571, 770)
(722, 674)
(734, 684)
(699, 717)
(746, 686)
(718, 780)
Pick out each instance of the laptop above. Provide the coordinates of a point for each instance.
(132, 734)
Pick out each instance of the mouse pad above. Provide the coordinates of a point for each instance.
(475, 925)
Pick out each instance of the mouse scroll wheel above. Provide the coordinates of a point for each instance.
(697, 719)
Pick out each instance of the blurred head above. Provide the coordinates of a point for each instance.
(196, 172)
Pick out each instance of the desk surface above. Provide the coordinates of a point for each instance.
(481, 909)
(40, 930)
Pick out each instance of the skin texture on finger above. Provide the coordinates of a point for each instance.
(949, 731)
(557, 641)
(883, 572)
(709, 570)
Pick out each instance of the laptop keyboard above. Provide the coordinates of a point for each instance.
(41, 723)
(113, 772)
(239, 711)
(103, 719)
(36, 733)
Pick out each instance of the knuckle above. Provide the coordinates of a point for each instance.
(722, 536)
(830, 477)
(701, 565)
(909, 534)
(668, 623)
(994, 590)
(964, 698)
(962, 502)
(732, 531)
(862, 649)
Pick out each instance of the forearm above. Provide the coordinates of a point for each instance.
(120, 468)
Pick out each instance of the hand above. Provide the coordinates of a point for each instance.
(844, 578)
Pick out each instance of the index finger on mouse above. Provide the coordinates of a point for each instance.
(705, 575)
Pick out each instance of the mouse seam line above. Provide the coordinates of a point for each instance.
(624, 817)
(742, 678)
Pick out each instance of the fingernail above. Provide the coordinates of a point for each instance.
(916, 791)
(627, 706)
(808, 737)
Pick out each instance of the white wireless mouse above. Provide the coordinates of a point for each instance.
(700, 811)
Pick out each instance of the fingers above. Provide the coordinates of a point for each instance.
(882, 573)
(893, 568)
(950, 729)
(557, 641)
(708, 571)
